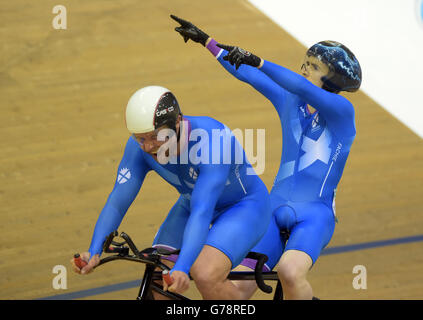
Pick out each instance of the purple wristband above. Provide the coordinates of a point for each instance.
(213, 48)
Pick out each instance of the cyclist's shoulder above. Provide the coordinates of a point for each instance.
(342, 117)
(133, 151)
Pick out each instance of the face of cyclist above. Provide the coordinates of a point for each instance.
(313, 69)
(150, 142)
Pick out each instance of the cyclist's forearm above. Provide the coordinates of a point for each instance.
(195, 236)
(208, 188)
(252, 76)
(108, 221)
(127, 185)
(218, 53)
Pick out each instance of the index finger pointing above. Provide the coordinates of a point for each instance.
(183, 22)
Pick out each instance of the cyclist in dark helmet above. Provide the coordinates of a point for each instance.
(344, 70)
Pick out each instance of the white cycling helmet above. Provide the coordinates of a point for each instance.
(150, 108)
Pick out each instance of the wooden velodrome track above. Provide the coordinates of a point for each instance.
(63, 95)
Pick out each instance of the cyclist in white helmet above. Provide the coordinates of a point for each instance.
(223, 209)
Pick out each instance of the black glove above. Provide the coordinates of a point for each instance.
(188, 31)
(239, 56)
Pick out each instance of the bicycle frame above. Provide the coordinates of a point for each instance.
(150, 275)
(151, 257)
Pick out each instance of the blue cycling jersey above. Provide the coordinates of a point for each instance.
(314, 152)
(212, 173)
(315, 145)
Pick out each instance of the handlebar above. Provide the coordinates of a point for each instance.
(78, 261)
(109, 240)
(151, 256)
(261, 260)
(166, 277)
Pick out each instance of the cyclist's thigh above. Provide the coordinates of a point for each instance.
(313, 230)
(270, 244)
(171, 231)
(239, 228)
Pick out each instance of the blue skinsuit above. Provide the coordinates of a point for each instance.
(314, 152)
(217, 187)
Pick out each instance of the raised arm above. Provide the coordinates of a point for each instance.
(245, 73)
(248, 74)
(337, 110)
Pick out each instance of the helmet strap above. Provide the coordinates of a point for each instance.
(179, 131)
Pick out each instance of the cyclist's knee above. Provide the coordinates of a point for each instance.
(289, 275)
(293, 268)
(211, 267)
(207, 276)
